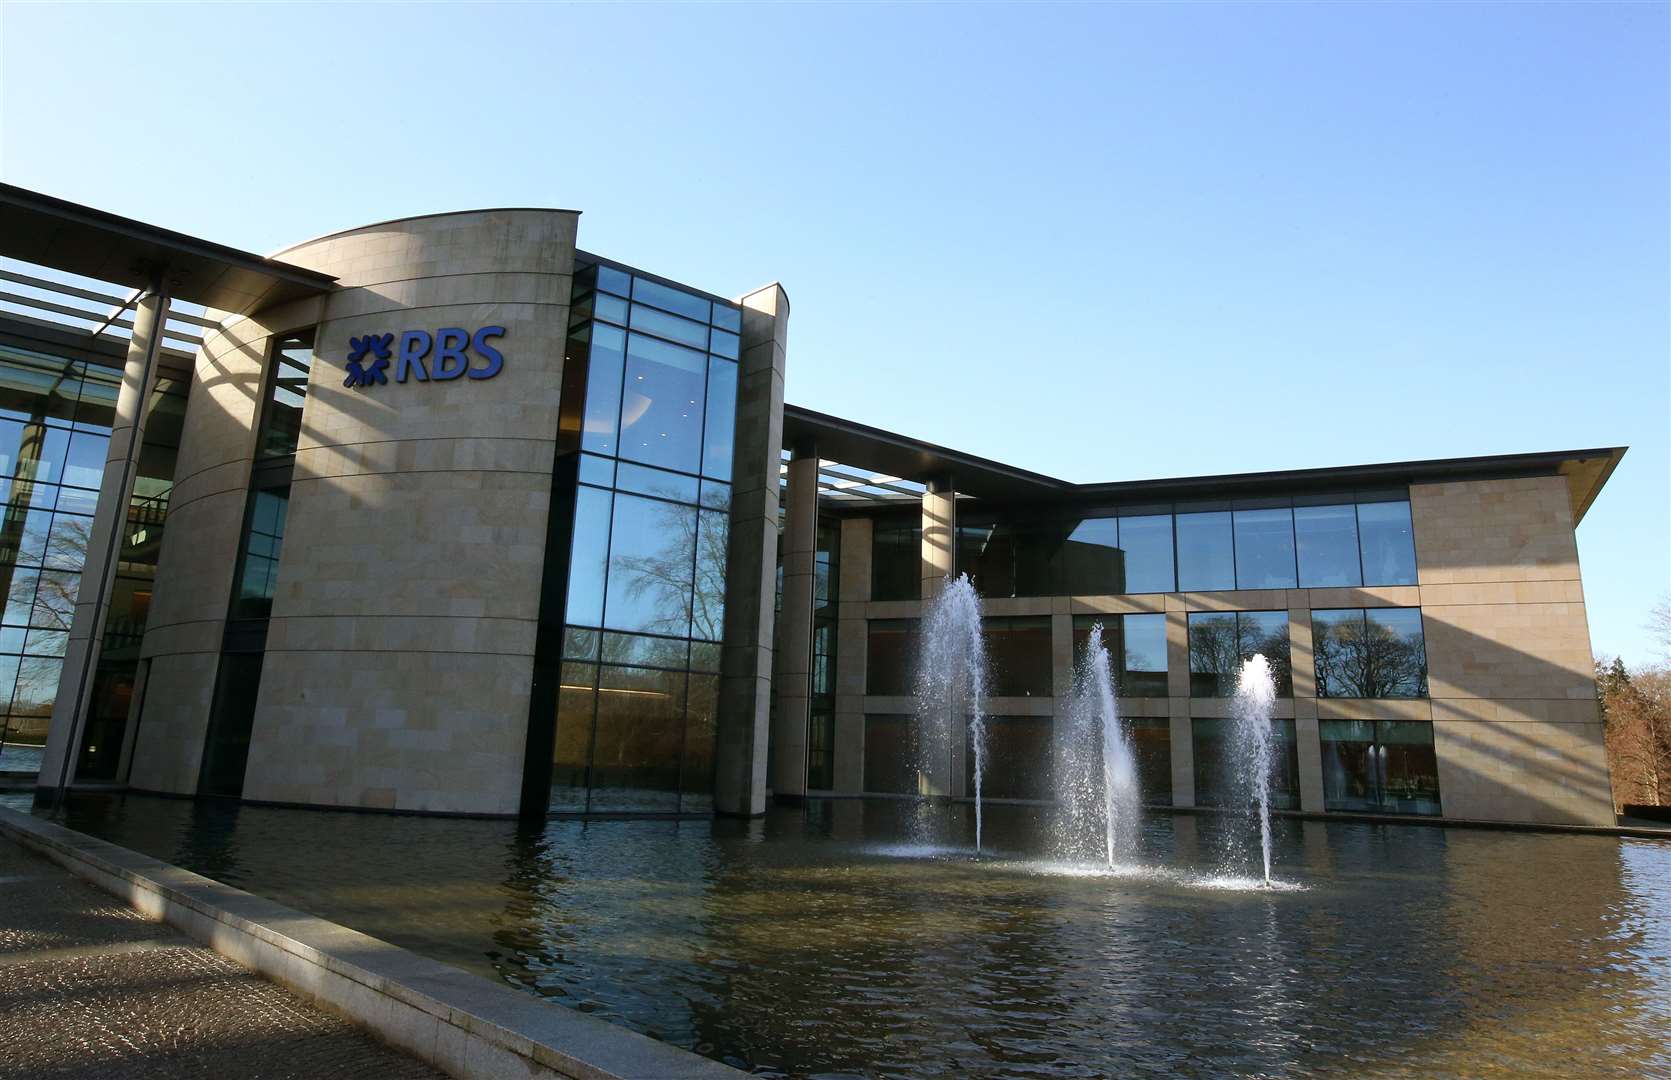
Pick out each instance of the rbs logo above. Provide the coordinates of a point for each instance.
(448, 353)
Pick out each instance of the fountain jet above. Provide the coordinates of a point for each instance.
(1098, 794)
(951, 689)
(1255, 735)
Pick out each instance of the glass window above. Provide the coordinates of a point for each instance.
(636, 740)
(1220, 642)
(729, 318)
(1327, 537)
(1018, 758)
(896, 564)
(986, 552)
(1146, 541)
(669, 299)
(668, 326)
(1389, 547)
(613, 280)
(707, 620)
(889, 766)
(890, 656)
(1206, 560)
(1093, 563)
(610, 309)
(589, 556)
(259, 560)
(1018, 655)
(281, 423)
(652, 547)
(1215, 660)
(644, 650)
(606, 359)
(661, 404)
(720, 430)
(572, 748)
(696, 773)
(1379, 766)
(1265, 548)
(1143, 639)
(1220, 779)
(1378, 653)
(724, 344)
(1265, 633)
(231, 716)
(597, 470)
(1151, 746)
(644, 480)
(84, 459)
(66, 544)
(1137, 649)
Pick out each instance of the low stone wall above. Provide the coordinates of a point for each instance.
(457, 1022)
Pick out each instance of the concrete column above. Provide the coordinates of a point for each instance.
(939, 535)
(1302, 663)
(751, 569)
(853, 594)
(792, 666)
(110, 515)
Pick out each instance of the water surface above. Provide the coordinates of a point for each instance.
(837, 941)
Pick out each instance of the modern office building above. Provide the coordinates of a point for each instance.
(447, 514)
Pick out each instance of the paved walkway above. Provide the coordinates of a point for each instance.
(89, 988)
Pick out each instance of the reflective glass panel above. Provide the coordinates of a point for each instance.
(1265, 549)
(589, 556)
(258, 565)
(1206, 560)
(889, 768)
(613, 280)
(724, 344)
(572, 748)
(1218, 780)
(1339, 649)
(643, 480)
(603, 390)
(661, 404)
(1146, 541)
(670, 299)
(636, 742)
(1389, 548)
(1327, 537)
(1397, 652)
(1018, 654)
(729, 318)
(668, 326)
(1151, 744)
(651, 548)
(1018, 758)
(707, 618)
(1144, 646)
(1215, 660)
(696, 774)
(896, 561)
(610, 309)
(1266, 633)
(281, 424)
(1093, 563)
(720, 431)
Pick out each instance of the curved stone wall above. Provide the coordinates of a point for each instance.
(400, 649)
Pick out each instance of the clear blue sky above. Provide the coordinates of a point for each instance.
(1101, 242)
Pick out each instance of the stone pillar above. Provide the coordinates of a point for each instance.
(1302, 664)
(751, 567)
(852, 598)
(104, 541)
(793, 662)
(1182, 741)
(939, 535)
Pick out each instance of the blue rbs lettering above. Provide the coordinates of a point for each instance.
(424, 357)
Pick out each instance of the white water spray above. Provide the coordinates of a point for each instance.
(1255, 735)
(951, 689)
(1098, 795)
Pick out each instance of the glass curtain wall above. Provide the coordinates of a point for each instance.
(55, 418)
(645, 601)
(1218, 780)
(1362, 538)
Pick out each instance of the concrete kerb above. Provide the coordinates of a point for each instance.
(456, 1022)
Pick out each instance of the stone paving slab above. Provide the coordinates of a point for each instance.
(90, 988)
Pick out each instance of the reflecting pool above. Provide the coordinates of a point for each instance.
(832, 941)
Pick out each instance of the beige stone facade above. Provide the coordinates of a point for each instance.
(1512, 696)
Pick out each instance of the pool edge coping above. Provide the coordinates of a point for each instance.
(452, 1020)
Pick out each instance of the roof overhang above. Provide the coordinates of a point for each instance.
(77, 239)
